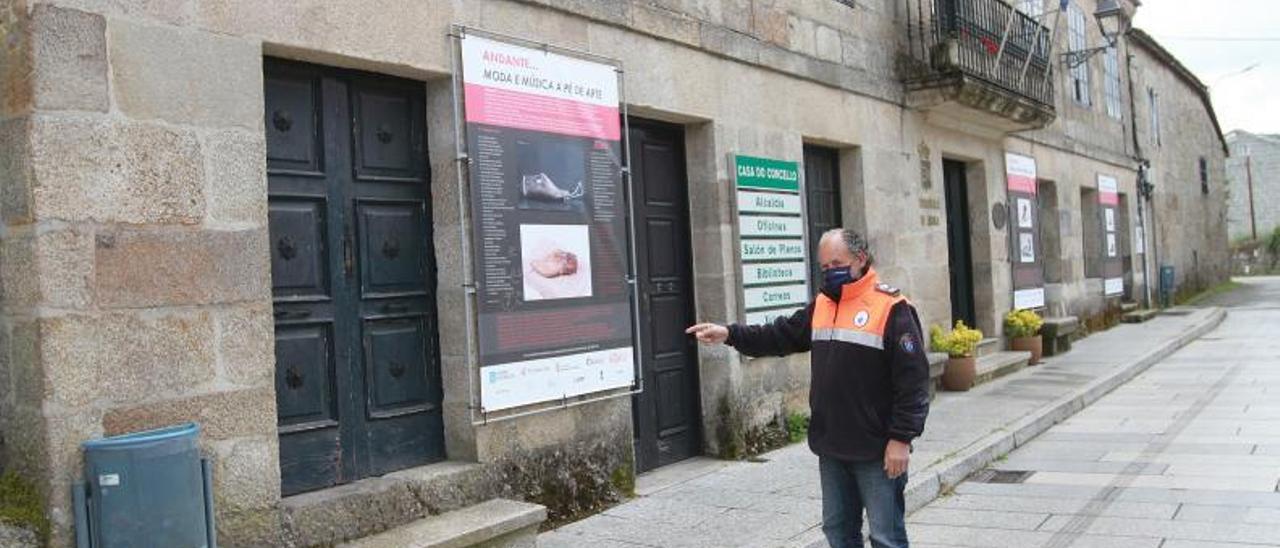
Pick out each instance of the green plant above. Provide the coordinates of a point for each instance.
(1022, 323)
(20, 505)
(960, 342)
(797, 426)
(1273, 246)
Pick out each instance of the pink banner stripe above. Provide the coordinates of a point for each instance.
(1108, 198)
(1022, 183)
(500, 107)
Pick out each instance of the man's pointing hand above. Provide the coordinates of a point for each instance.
(709, 333)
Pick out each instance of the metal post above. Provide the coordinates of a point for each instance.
(1248, 170)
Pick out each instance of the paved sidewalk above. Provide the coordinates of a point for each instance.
(1185, 455)
(710, 503)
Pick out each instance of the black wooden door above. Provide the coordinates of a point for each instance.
(353, 274)
(667, 416)
(822, 194)
(958, 246)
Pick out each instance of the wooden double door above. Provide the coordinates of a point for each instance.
(353, 273)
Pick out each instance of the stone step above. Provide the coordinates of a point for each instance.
(1128, 306)
(988, 346)
(496, 523)
(999, 364)
(1139, 316)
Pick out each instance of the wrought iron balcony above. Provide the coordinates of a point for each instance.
(979, 62)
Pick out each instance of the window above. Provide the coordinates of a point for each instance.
(1204, 176)
(822, 189)
(1078, 40)
(1031, 7)
(1153, 105)
(1111, 83)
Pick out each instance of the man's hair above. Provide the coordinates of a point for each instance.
(856, 244)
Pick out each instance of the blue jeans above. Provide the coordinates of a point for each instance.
(850, 487)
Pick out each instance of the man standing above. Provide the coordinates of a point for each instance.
(868, 391)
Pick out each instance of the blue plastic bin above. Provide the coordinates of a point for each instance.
(147, 489)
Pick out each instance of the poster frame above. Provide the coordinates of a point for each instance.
(462, 159)
(1033, 297)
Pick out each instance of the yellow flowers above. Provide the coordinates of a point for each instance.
(960, 342)
(1022, 323)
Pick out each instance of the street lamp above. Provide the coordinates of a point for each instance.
(1113, 21)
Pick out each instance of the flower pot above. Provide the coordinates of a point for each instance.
(1033, 344)
(959, 373)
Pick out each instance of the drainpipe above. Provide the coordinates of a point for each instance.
(1144, 186)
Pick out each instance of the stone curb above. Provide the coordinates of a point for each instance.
(943, 476)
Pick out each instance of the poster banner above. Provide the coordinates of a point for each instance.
(1112, 263)
(548, 214)
(1024, 231)
(771, 231)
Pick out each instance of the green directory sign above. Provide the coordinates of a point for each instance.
(765, 173)
(771, 236)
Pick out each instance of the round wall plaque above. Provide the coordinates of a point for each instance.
(999, 215)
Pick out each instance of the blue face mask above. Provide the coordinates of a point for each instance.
(834, 279)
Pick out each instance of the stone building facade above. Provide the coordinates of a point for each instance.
(136, 248)
(1254, 207)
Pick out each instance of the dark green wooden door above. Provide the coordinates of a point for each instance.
(959, 248)
(666, 414)
(353, 273)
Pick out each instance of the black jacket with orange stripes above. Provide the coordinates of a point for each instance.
(870, 374)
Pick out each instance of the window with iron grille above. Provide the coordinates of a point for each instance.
(1204, 176)
(1111, 83)
(1078, 40)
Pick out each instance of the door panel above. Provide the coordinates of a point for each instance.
(958, 244)
(299, 257)
(304, 377)
(667, 416)
(353, 273)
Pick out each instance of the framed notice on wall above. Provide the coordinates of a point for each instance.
(1024, 231)
(771, 238)
(548, 218)
(1112, 264)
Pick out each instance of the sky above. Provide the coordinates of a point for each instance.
(1217, 41)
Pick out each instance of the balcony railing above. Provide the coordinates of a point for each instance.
(986, 40)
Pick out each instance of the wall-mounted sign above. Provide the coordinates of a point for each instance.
(554, 309)
(765, 250)
(772, 245)
(1024, 236)
(767, 202)
(771, 225)
(1112, 264)
(772, 273)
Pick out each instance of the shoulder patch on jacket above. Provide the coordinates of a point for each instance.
(888, 290)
